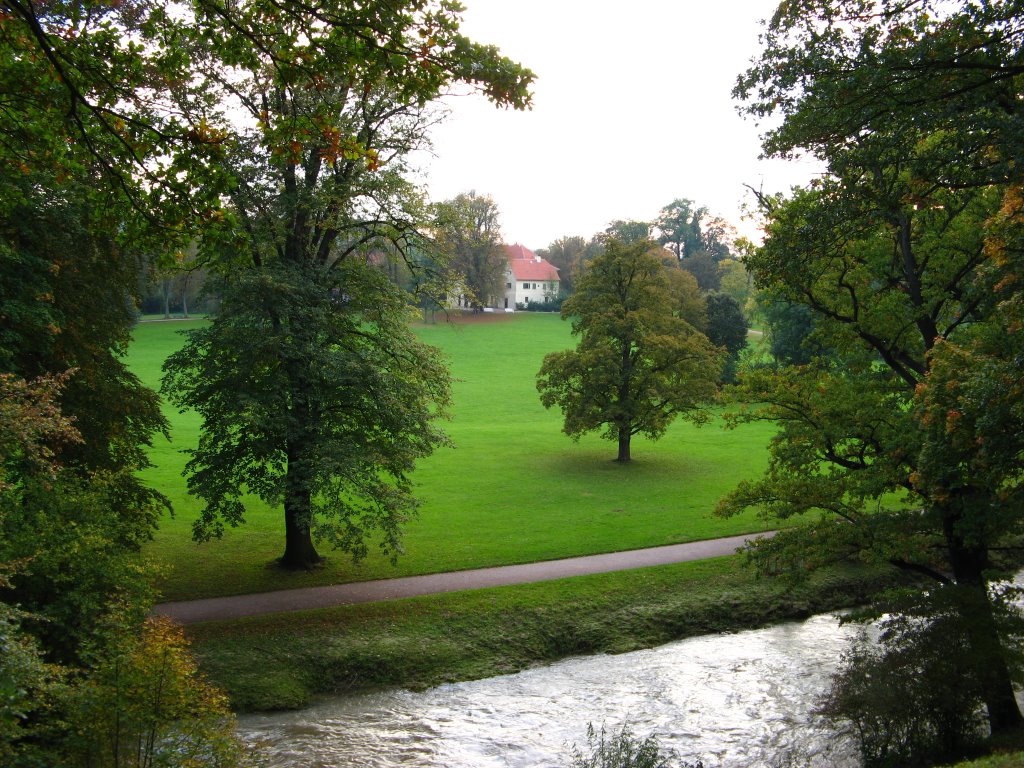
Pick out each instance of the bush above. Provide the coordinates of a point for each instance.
(548, 305)
(624, 750)
(147, 705)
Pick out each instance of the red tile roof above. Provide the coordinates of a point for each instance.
(526, 265)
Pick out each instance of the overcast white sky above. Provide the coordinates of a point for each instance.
(632, 109)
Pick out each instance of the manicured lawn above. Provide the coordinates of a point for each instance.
(514, 489)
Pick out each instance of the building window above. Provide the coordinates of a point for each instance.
(508, 285)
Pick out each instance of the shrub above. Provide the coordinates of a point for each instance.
(548, 305)
(624, 750)
(147, 705)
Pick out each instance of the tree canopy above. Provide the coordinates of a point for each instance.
(314, 392)
(468, 235)
(905, 255)
(687, 231)
(638, 364)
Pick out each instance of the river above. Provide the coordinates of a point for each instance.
(730, 700)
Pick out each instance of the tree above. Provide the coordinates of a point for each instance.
(73, 599)
(314, 392)
(679, 227)
(735, 281)
(638, 365)
(790, 330)
(67, 289)
(703, 267)
(469, 237)
(567, 254)
(727, 327)
(905, 256)
(687, 231)
(630, 231)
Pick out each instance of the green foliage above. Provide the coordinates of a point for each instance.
(146, 704)
(26, 687)
(629, 231)
(638, 364)
(66, 308)
(76, 543)
(790, 330)
(727, 327)
(689, 231)
(624, 750)
(337, 100)
(567, 254)
(904, 256)
(576, 501)
(77, 684)
(468, 237)
(703, 267)
(736, 281)
(548, 305)
(310, 383)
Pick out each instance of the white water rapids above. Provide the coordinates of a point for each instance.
(730, 700)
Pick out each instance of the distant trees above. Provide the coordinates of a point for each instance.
(699, 241)
(629, 231)
(468, 235)
(638, 364)
(567, 254)
(727, 327)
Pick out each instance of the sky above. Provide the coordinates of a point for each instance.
(632, 109)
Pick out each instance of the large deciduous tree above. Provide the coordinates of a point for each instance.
(687, 231)
(314, 392)
(638, 364)
(468, 235)
(907, 256)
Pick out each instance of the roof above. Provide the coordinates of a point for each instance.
(526, 265)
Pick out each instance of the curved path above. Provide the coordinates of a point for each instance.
(240, 606)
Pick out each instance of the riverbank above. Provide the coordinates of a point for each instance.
(284, 661)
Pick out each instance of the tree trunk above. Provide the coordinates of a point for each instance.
(969, 564)
(167, 299)
(624, 437)
(299, 552)
(184, 296)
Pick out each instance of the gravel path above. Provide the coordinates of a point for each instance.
(239, 606)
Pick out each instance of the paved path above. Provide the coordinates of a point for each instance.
(239, 606)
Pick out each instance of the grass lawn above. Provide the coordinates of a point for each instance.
(514, 489)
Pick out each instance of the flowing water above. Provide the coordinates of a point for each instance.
(743, 699)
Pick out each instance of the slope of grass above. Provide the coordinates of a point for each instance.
(513, 489)
(283, 661)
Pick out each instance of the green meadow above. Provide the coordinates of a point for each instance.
(513, 488)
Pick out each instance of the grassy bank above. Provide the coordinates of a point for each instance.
(514, 489)
(283, 661)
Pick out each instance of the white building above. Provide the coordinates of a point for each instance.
(528, 278)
